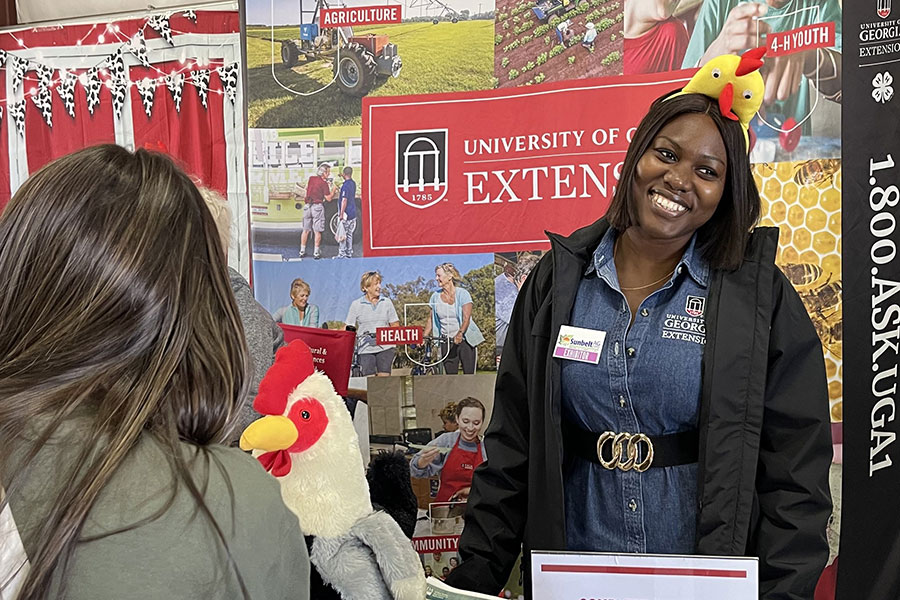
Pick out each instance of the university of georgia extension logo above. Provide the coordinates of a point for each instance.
(694, 305)
(421, 167)
(883, 8)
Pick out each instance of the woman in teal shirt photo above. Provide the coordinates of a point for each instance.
(299, 311)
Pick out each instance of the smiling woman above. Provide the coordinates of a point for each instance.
(454, 455)
(677, 187)
(708, 391)
(718, 168)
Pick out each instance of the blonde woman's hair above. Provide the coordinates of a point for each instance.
(450, 270)
(221, 214)
(367, 279)
(300, 284)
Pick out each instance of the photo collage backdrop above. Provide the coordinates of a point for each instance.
(502, 121)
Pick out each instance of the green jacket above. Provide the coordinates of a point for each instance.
(177, 555)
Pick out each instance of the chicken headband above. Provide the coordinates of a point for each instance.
(735, 82)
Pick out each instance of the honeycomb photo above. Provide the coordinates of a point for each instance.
(803, 199)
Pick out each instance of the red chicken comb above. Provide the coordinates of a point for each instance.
(293, 364)
(751, 60)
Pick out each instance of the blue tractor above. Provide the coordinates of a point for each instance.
(360, 61)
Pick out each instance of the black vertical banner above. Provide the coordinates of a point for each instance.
(869, 565)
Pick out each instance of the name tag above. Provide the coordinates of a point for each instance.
(576, 343)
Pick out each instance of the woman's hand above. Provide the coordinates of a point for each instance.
(426, 457)
(458, 338)
(461, 495)
(739, 31)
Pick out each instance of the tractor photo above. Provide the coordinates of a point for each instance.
(359, 61)
(545, 9)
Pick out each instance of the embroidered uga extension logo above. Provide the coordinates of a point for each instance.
(694, 305)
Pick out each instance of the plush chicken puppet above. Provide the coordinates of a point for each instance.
(306, 439)
(735, 81)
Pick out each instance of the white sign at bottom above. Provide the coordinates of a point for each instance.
(569, 576)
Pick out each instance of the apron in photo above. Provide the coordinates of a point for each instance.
(458, 470)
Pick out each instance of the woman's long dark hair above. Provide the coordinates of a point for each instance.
(723, 239)
(116, 303)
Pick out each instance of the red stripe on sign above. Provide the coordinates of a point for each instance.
(684, 572)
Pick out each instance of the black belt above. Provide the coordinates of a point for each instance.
(627, 451)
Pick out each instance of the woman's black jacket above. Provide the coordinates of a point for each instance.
(765, 438)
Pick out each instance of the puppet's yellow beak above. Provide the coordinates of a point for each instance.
(269, 434)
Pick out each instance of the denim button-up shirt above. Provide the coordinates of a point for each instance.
(647, 380)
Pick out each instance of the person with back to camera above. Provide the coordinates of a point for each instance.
(112, 411)
(709, 356)
(451, 316)
(263, 336)
(347, 212)
(299, 312)
(466, 452)
(367, 314)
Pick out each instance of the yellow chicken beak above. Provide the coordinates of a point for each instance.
(269, 434)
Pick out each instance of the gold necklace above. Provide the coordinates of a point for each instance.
(640, 287)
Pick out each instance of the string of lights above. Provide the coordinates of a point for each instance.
(112, 33)
(110, 70)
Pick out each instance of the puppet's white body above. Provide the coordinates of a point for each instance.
(363, 554)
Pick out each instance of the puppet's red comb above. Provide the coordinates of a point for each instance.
(293, 364)
(751, 60)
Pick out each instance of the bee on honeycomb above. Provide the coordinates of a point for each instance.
(816, 172)
(802, 274)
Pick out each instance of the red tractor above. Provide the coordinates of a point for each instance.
(359, 60)
(362, 60)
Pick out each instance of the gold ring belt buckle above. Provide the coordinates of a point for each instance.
(625, 451)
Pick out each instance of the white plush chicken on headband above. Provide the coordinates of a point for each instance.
(306, 439)
(735, 81)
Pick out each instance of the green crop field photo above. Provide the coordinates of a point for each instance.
(445, 57)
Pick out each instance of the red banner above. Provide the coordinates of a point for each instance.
(359, 15)
(818, 35)
(393, 336)
(490, 171)
(332, 351)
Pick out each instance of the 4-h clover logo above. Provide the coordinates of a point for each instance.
(883, 91)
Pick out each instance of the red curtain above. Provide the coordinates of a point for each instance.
(195, 136)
